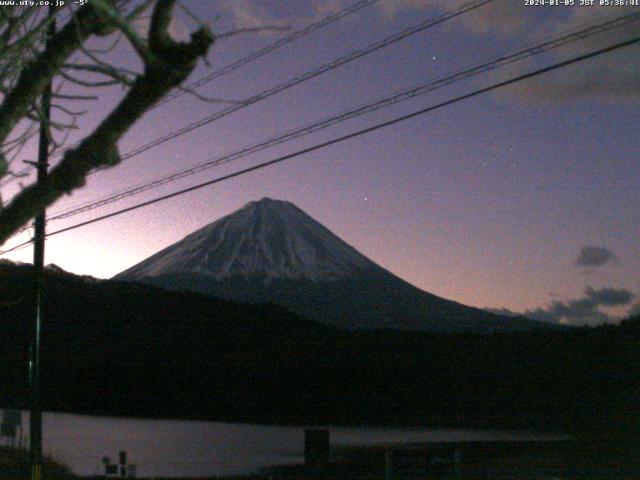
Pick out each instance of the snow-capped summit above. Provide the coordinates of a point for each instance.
(271, 251)
(267, 239)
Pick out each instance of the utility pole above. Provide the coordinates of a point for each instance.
(35, 418)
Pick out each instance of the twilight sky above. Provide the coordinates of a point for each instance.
(524, 199)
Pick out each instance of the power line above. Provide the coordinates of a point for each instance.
(361, 110)
(304, 77)
(329, 19)
(269, 48)
(290, 83)
(349, 136)
(354, 55)
(402, 96)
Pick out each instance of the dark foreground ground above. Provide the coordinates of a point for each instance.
(212, 360)
(224, 361)
(613, 458)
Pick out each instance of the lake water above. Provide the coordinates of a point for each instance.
(172, 448)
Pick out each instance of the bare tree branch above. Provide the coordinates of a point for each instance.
(72, 113)
(167, 64)
(119, 75)
(87, 83)
(111, 15)
(39, 73)
(63, 96)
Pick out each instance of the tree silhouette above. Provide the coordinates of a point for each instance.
(29, 62)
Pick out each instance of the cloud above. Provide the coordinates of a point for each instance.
(246, 14)
(635, 310)
(390, 10)
(328, 7)
(609, 297)
(584, 310)
(591, 256)
(499, 16)
(581, 311)
(505, 312)
(612, 77)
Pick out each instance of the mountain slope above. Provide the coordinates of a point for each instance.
(271, 251)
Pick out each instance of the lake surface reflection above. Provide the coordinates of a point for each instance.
(172, 448)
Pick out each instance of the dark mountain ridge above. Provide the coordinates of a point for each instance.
(373, 300)
(129, 349)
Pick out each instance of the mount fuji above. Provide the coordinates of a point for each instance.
(270, 251)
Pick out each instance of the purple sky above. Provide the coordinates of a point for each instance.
(515, 199)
